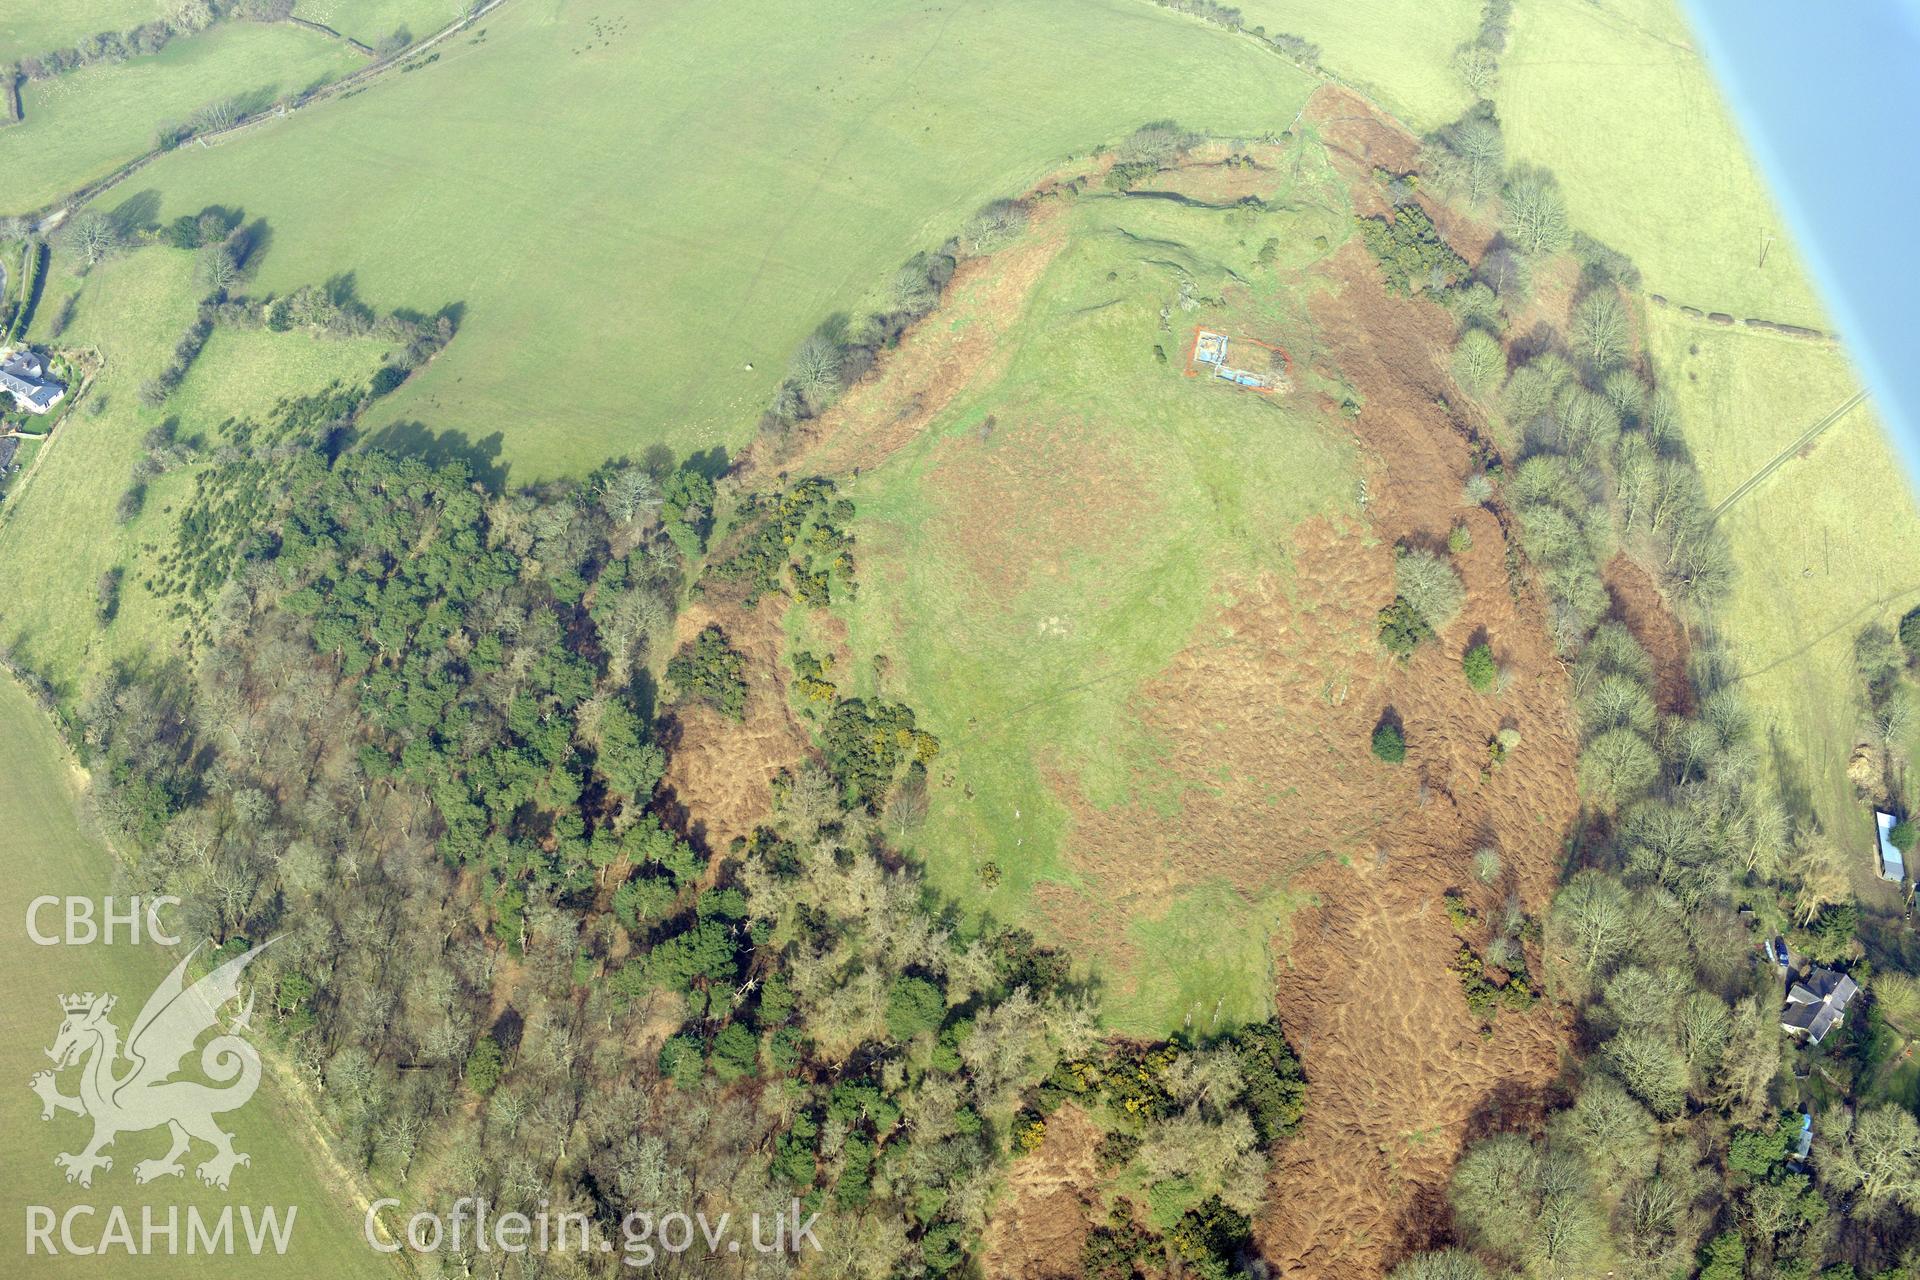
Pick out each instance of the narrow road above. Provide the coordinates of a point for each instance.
(1779, 460)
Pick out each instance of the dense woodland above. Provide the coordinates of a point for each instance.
(1672, 1153)
(421, 746)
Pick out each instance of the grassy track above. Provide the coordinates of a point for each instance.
(84, 124)
(1795, 446)
(691, 197)
(46, 852)
(1031, 573)
(1828, 544)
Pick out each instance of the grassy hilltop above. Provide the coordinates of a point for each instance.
(1140, 494)
(690, 198)
(632, 260)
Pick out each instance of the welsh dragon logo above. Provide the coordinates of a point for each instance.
(145, 1095)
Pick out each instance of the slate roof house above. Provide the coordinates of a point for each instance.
(1816, 1004)
(23, 374)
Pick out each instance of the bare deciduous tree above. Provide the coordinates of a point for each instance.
(1534, 212)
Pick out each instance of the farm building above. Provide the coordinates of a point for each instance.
(24, 375)
(1816, 1005)
(1893, 864)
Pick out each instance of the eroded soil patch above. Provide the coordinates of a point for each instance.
(1041, 1221)
(720, 771)
(1637, 601)
(956, 346)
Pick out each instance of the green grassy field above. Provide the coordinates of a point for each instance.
(85, 123)
(27, 30)
(371, 21)
(59, 532)
(1826, 544)
(1612, 98)
(1205, 963)
(1050, 542)
(691, 197)
(244, 372)
(1890, 1074)
(1399, 54)
(47, 853)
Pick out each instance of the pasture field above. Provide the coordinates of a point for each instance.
(627, 243)
(85, 123)
(27, 30)
(1398, 54)
(244, 372)
(1054, 538)
(1826, 544)
(1613, 98)
(371, 21)
(59, 532)
(47, 852)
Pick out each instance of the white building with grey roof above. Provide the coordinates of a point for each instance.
(24, 375)
(1817, 1003)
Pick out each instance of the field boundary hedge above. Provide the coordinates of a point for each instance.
(49, 215)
